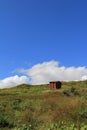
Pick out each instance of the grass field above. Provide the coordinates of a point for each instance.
(28, 107)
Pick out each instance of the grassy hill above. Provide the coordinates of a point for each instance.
(36, 107)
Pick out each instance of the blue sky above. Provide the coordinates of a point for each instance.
(36, 31)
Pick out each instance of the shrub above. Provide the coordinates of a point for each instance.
(74, 91)
(71, 92)
(5, 122)
(66, 92)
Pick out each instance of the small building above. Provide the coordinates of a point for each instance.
(55, 84)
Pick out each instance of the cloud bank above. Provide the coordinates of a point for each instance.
(13, 81)
(48, 71)
(44, 72)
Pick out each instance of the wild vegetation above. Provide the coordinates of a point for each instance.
(27, 107)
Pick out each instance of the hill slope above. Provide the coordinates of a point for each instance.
(36, 107)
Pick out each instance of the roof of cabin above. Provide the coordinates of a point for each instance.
(54, 81)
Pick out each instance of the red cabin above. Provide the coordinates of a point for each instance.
(55, 84)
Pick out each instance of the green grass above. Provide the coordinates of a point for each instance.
(28, 107)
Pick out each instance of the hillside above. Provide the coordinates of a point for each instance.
(36, 107)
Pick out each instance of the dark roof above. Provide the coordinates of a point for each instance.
(54, 81)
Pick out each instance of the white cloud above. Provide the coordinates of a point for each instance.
(12, 81)
(48, 71)
(84, 77)
(44, 72)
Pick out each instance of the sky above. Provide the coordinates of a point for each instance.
(42, 40)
